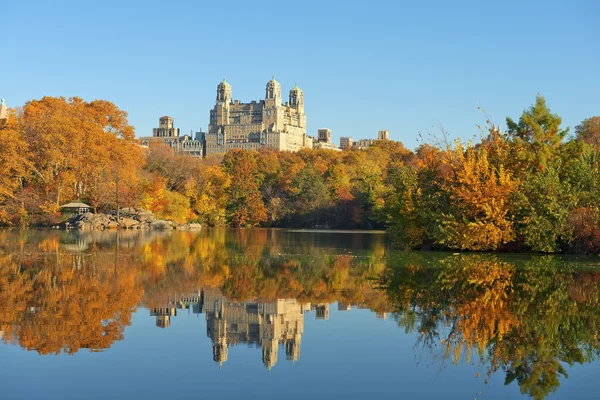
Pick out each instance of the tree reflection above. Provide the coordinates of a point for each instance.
(528, 318)
(55, 301)
(64, 291)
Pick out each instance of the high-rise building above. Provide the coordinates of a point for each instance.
(263, 123)
(383, 135)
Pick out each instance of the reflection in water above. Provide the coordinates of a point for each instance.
(527, 319)
(266, 324)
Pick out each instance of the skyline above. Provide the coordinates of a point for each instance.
(351, 63)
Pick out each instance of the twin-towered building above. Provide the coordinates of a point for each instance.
(263, 123)
(269, 123)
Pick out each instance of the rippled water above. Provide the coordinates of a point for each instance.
(290, 314)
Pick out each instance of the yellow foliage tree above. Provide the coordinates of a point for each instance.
(480, 195)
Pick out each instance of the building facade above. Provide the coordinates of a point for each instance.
(345, 142)
(170, 136)
(264, 123)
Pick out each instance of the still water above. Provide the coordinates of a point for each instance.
(223, 314)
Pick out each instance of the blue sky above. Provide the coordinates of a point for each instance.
(405, 66)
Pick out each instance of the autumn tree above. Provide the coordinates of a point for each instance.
(71, 142)
(245, 205)
(207, 191)
(589, 131)
(480, 198)
(15, 166)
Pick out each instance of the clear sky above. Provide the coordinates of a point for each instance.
(404, 66)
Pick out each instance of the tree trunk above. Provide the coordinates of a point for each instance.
(117, 198)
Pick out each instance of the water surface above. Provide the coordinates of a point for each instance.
(293, 314)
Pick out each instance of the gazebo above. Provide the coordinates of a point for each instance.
(75, 208)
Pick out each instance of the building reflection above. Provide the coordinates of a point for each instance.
(266, 324)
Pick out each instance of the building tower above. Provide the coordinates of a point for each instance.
(165, 128)
(224, 98)
(324, 135)
(165, 122)
(297, 99)
(383, 135)
(273, 93)
(3, 111)
(224, 92)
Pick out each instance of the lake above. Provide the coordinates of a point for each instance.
(258, 313)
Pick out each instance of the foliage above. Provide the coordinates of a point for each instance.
(526, 189)
(589, 131)
(527, 322)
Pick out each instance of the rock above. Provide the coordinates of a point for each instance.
(82, 225)
(189, 227)
(160, 224)
(112, 225)
(145, 216)
(144, 226)
(128, 223)
(129, 211)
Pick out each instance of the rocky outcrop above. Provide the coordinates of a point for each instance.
(129, 218)
(189, 227)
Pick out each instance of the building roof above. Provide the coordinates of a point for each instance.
(273, 81)
(224, 83)
(75, 205)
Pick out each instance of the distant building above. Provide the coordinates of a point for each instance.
(165, 128)
(3, 111)
(345, 142)
(364, 143)
(324, 135)
(324, 140)
(170, 136)
(264, 123)
(383, 135)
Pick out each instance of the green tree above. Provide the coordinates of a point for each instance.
(538, 132)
